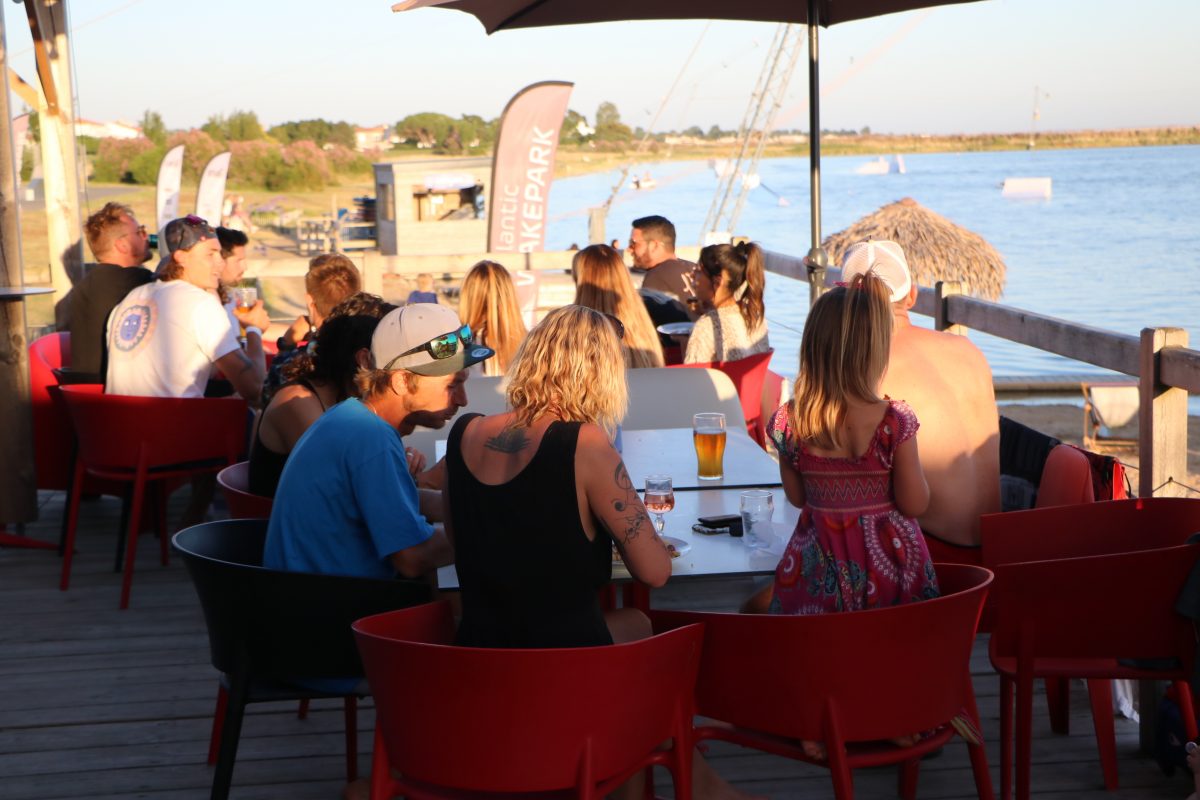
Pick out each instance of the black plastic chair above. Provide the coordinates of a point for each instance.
(268, 629)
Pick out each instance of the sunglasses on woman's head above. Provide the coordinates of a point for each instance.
(439, 347)
(618, 326)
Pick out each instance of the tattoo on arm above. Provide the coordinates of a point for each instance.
(245, 362)
(509, 440)
(633, 514)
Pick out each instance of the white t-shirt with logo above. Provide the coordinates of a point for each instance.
(163, 339)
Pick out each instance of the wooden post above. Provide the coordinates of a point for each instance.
(1162, 455)
(941, 317)
(596, 218)
(1162, 419)
(18, 487)
(60, 167)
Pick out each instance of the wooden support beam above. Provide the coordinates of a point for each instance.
(23, 90)
(60, 163)
(41, 27)
(18, 486)
(941, 315)
(1162, 418)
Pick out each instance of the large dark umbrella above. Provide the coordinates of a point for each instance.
(936, 248)
(498, 15)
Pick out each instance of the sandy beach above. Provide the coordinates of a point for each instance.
(1065, 422)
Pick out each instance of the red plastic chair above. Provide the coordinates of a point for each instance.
(1075, 618)
(748, 375)
(146, 442)
(853, 681)
(1088, 529)
(457, 720)
(234, 481)
(52, 438)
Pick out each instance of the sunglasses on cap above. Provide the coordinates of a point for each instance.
(440, 347)
(190, 231)
(617, 325)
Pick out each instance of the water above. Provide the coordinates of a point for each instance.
(1117, 247)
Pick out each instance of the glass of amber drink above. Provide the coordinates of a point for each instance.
(708, 434)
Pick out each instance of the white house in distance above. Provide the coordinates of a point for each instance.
(107, 130)
(375, 138)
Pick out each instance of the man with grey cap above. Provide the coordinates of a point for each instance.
(347, 504)
(166, 336)
(948, 383)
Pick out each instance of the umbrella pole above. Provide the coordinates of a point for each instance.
(817, 259)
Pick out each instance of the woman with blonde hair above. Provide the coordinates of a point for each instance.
(536, 497)
(602, 283)
(488, 303)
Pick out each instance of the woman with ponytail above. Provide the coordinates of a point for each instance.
(737, 326)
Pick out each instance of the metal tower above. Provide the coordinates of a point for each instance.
(740, 174)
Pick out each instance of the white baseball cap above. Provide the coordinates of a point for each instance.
(887, 260)
(425, 338)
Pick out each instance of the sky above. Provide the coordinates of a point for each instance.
(968, 68)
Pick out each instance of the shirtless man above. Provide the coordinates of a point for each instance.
(948, 383)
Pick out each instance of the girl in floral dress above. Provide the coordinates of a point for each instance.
(848, 459)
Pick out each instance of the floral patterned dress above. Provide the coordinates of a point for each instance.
(852, 548)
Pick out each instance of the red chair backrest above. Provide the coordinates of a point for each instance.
(1120, 605)
(884, 673)
(116, 431)
(521, 720)
(1087, 529)
(748, 375)
(52, 438)
(234, 481)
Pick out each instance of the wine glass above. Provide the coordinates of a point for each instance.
(660, 498)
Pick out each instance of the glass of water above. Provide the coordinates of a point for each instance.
(758, 506)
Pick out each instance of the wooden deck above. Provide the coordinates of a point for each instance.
(97, 703)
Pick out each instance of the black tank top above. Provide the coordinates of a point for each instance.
(529, 575)
(265, 464)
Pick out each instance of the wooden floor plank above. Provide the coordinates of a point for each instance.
(102, 704)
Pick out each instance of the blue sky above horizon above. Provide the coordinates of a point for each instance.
(957, 69)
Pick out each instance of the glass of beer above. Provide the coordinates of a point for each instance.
(659, 498)
(244, 299)
(708, 434)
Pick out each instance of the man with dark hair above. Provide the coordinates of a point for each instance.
(120, 246)
(165, 337)
(652, 243)
(331, 278)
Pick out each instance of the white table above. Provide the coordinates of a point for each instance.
(713, 556)
(670, 451)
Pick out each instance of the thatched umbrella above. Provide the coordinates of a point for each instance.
(936, 248)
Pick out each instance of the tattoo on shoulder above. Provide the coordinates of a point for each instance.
(509, 440)
(626, 504)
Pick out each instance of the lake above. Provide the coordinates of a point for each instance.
(1117, 246)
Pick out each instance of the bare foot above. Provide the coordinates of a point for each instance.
(906, 741)
(708, 785)
(357, 790)
(814, 750)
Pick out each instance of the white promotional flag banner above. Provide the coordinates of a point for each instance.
(210, 196)
(170, 175)
(523, 167)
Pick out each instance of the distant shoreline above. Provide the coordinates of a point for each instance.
(581, 160)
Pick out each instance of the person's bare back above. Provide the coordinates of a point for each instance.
(947, 381)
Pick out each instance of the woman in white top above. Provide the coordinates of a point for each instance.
(736, 327)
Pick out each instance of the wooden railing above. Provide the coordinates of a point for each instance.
(1159, 358)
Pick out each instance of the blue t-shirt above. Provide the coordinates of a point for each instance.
(346, 500)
